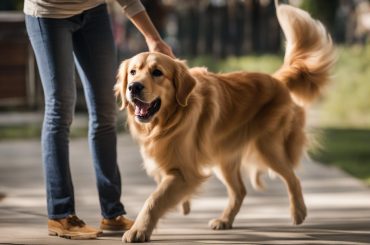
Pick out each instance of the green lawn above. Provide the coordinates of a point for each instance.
(29, 131)
(347, 148)
(346, 102)
(250, 63)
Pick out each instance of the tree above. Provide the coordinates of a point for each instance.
(324, 10)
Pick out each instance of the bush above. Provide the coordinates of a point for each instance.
(252, 63)
(347, 149)
(347, 102)
(325, 11)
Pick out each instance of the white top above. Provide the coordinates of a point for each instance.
(66, 8)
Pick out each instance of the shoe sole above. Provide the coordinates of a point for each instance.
(111, 228)
(74, 236)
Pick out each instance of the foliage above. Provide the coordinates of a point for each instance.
(11, 5)
(251, 63)
(347, 103)
(348, 149)
(29, 131)
(323, 10)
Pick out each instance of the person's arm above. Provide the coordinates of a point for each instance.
(135, 11)
(154, 41)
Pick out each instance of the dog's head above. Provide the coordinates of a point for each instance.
(150, 82)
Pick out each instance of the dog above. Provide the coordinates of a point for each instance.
(187, 120)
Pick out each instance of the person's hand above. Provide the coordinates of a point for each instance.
(160, 46)
(153, 39)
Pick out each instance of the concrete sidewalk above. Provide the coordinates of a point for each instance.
(338, 205)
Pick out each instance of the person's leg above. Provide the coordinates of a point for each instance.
(51, 40)
(95, 55)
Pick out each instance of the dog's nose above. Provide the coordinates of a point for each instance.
(135, 87)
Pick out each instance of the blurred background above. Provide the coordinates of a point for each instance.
(223, 35)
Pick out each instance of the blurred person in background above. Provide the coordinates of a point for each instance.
(70, 33)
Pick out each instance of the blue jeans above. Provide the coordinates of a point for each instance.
(84, 40)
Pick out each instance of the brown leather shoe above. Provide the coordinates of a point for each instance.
(72, 227)
(119, 223)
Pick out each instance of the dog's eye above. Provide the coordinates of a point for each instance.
(133, 72)
(157, 73)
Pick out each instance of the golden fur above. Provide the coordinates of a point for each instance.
(221, 121)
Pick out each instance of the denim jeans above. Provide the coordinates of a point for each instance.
(84, 40)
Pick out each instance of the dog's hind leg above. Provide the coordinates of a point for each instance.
(229, 174)
(274, 154)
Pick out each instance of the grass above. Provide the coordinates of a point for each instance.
(348, 149)
(30, 131)
(347, 103)
(252, 63)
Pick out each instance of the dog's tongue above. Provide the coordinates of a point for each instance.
(142, 109)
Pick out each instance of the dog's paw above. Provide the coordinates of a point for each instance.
(135, 235)
(185, 208)
(218, 224)
(299, 215)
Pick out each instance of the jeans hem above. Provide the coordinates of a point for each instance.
(123, 212)
(60, 216)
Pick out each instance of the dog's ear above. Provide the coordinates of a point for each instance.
(184, 83)
(121, 84)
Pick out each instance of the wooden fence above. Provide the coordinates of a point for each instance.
(208, 27)
(17, 65)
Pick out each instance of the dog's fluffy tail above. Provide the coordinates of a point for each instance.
(309, 54)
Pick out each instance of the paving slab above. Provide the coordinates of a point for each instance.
(338, 205)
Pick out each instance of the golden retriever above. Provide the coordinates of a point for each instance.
(188, 120)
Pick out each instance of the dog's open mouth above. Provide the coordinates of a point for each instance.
(145, 111)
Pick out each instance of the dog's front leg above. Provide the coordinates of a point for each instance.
(170, 191)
